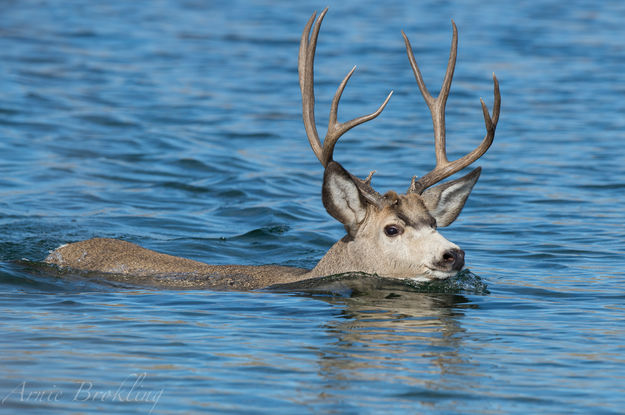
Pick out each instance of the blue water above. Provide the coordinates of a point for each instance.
(177, 125)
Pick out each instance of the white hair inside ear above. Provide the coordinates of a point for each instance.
(445, 201)
(341, 197)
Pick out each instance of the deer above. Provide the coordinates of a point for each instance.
(391, 235)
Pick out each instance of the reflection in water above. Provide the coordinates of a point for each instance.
(404, 338)
(393, 332)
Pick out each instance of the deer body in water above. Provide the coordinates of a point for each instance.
(391, 235)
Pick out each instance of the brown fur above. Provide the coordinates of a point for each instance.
(121, 258)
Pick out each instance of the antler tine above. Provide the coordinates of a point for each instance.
(305, 66)
(337, 129)
(306, 78)
(444, 168)
(437, 106)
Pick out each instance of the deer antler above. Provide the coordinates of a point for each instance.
(445, 168)
(306, 81)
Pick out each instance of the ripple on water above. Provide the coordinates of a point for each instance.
(178, 126)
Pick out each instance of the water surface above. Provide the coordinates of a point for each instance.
(177, 125)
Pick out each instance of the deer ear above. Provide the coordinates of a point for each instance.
(341, 197)
(445, 201)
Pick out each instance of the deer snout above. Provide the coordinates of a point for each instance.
(454, 258)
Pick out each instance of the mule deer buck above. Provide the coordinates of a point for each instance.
(391, 235)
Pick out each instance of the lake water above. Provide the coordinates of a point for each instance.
(177, 125)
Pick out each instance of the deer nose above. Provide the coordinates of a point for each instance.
(454, 258)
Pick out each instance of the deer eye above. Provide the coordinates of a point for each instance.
(393, 230)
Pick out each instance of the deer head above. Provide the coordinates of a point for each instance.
(393, 235)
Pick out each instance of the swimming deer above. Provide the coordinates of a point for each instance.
(391, 235)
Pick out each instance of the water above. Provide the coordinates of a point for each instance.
(177, 125)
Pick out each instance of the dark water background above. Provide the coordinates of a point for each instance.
(177, 125)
